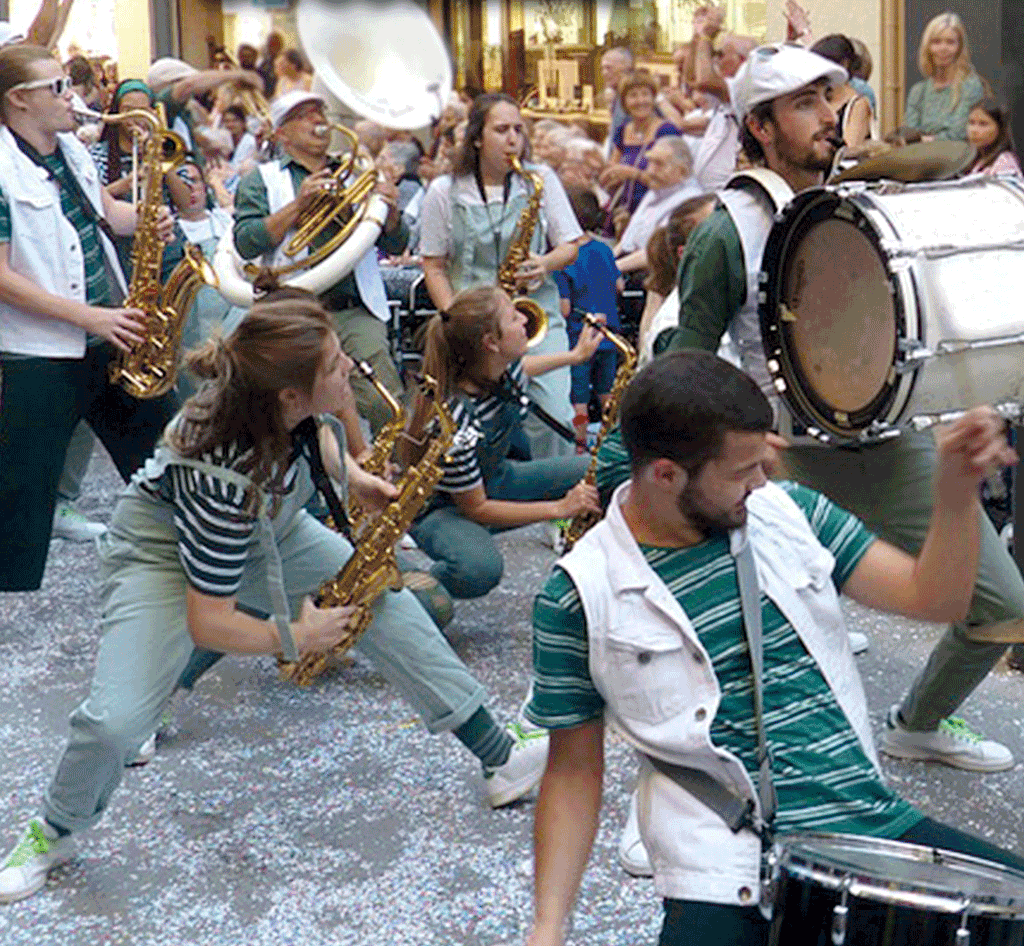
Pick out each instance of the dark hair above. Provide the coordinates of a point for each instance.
(247, 56)
(80, 72)
(295, 58)
(279, 344)
(762, 112)
(1004, 140)
(111, 134)
(838, 49)
(237, 111)
(681, 406)
(586, 207)
(467, 158)
(639, 79)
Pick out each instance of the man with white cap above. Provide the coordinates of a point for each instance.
(269, 206)
(175, 83)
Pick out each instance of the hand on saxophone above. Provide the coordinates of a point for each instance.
(319, 629)
(165, 224)
(581, 498)
(588, 343)
(123, 328)
(531, 273)
(371, 492)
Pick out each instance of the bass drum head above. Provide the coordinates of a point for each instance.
(830, 316)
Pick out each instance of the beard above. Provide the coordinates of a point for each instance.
(710, 522)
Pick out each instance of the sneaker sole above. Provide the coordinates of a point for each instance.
(954, 762)
(631, 867)
(35, 888)
(514, 793)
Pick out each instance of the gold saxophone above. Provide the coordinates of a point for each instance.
(150, 368)
(519, 252)
(583, 521)
(372, 568)
(383, 447)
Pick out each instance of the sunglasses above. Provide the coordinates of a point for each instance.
(186, 175)
(57, 86)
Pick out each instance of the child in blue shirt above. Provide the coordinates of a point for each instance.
(591, 284)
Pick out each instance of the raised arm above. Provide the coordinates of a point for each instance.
(939, 583)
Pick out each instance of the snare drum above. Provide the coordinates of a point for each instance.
(849, 890)
(887, 304)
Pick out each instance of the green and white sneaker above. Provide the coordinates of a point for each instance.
(25, 869)
(522, 773)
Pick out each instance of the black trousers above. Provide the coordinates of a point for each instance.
(41, 402)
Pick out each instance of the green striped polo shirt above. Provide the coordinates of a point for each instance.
(825, 781)
(97, 287)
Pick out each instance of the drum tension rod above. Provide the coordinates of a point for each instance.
(841, 914)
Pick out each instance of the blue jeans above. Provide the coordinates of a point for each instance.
(466, 559)
(595, 376)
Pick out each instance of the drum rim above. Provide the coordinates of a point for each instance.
(807, 208)
(830, 873)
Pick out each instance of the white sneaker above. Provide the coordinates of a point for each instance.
(25, 869)
(144, 754)
(521, 773)
(70, 524)
(953, 743)
(859, 643)
(633, 857)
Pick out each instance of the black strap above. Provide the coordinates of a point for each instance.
(508, 390)
(308, 442)
(82, 197)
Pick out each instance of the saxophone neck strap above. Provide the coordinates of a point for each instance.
(308, 443)
(508, 390)
(80, 195)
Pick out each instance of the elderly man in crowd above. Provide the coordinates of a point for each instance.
(669, 168)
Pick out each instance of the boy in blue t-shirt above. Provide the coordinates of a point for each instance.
(590, 285)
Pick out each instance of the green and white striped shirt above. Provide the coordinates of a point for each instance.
(824, 780)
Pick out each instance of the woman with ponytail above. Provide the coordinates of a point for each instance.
(476, 351)
(211, 533)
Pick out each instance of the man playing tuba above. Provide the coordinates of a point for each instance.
(269, 207)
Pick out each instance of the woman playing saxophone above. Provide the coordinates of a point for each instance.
(486, 220)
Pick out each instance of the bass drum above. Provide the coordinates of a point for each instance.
(846, 890)
(890, 304)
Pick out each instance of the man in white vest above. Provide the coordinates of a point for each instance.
(269, 206)
(781, 96)
(645, 626)
(61, 320)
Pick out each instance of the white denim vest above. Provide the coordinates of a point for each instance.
(45, 247)
(369, 282)
(649, 665)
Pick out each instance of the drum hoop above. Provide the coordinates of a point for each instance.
(820, 418)
(828, 871)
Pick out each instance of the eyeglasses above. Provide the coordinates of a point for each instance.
(57, 86)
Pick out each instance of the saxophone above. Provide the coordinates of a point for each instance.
(372, 568)
(583, 521)
(383, 447)
(150, 368)
(519, 252)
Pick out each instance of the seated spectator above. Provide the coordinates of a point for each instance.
(669, 170)
(627, 167)
(988, 129)
(581, 167)
(590, 284)
(555, 144)
(860, 79)
(939, 104)
(853, 110)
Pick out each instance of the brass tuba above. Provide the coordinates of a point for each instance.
(387, 62)
(519, 252)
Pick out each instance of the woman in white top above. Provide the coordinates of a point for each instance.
(469, 220)
(243, 142)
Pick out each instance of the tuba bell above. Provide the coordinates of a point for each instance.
(387, 62)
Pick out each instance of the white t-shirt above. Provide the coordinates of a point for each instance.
(213, 225)
(715, 160)
(436, 213)
(654, 210)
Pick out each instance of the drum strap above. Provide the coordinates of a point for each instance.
(735, 810)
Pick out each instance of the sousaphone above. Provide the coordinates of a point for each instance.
(387, 62)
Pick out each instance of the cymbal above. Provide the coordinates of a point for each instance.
(923, 161)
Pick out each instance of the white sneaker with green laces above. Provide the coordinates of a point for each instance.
(25, 869)
(953, 743)
(523, 770)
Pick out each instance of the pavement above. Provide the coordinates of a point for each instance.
(274, 815)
